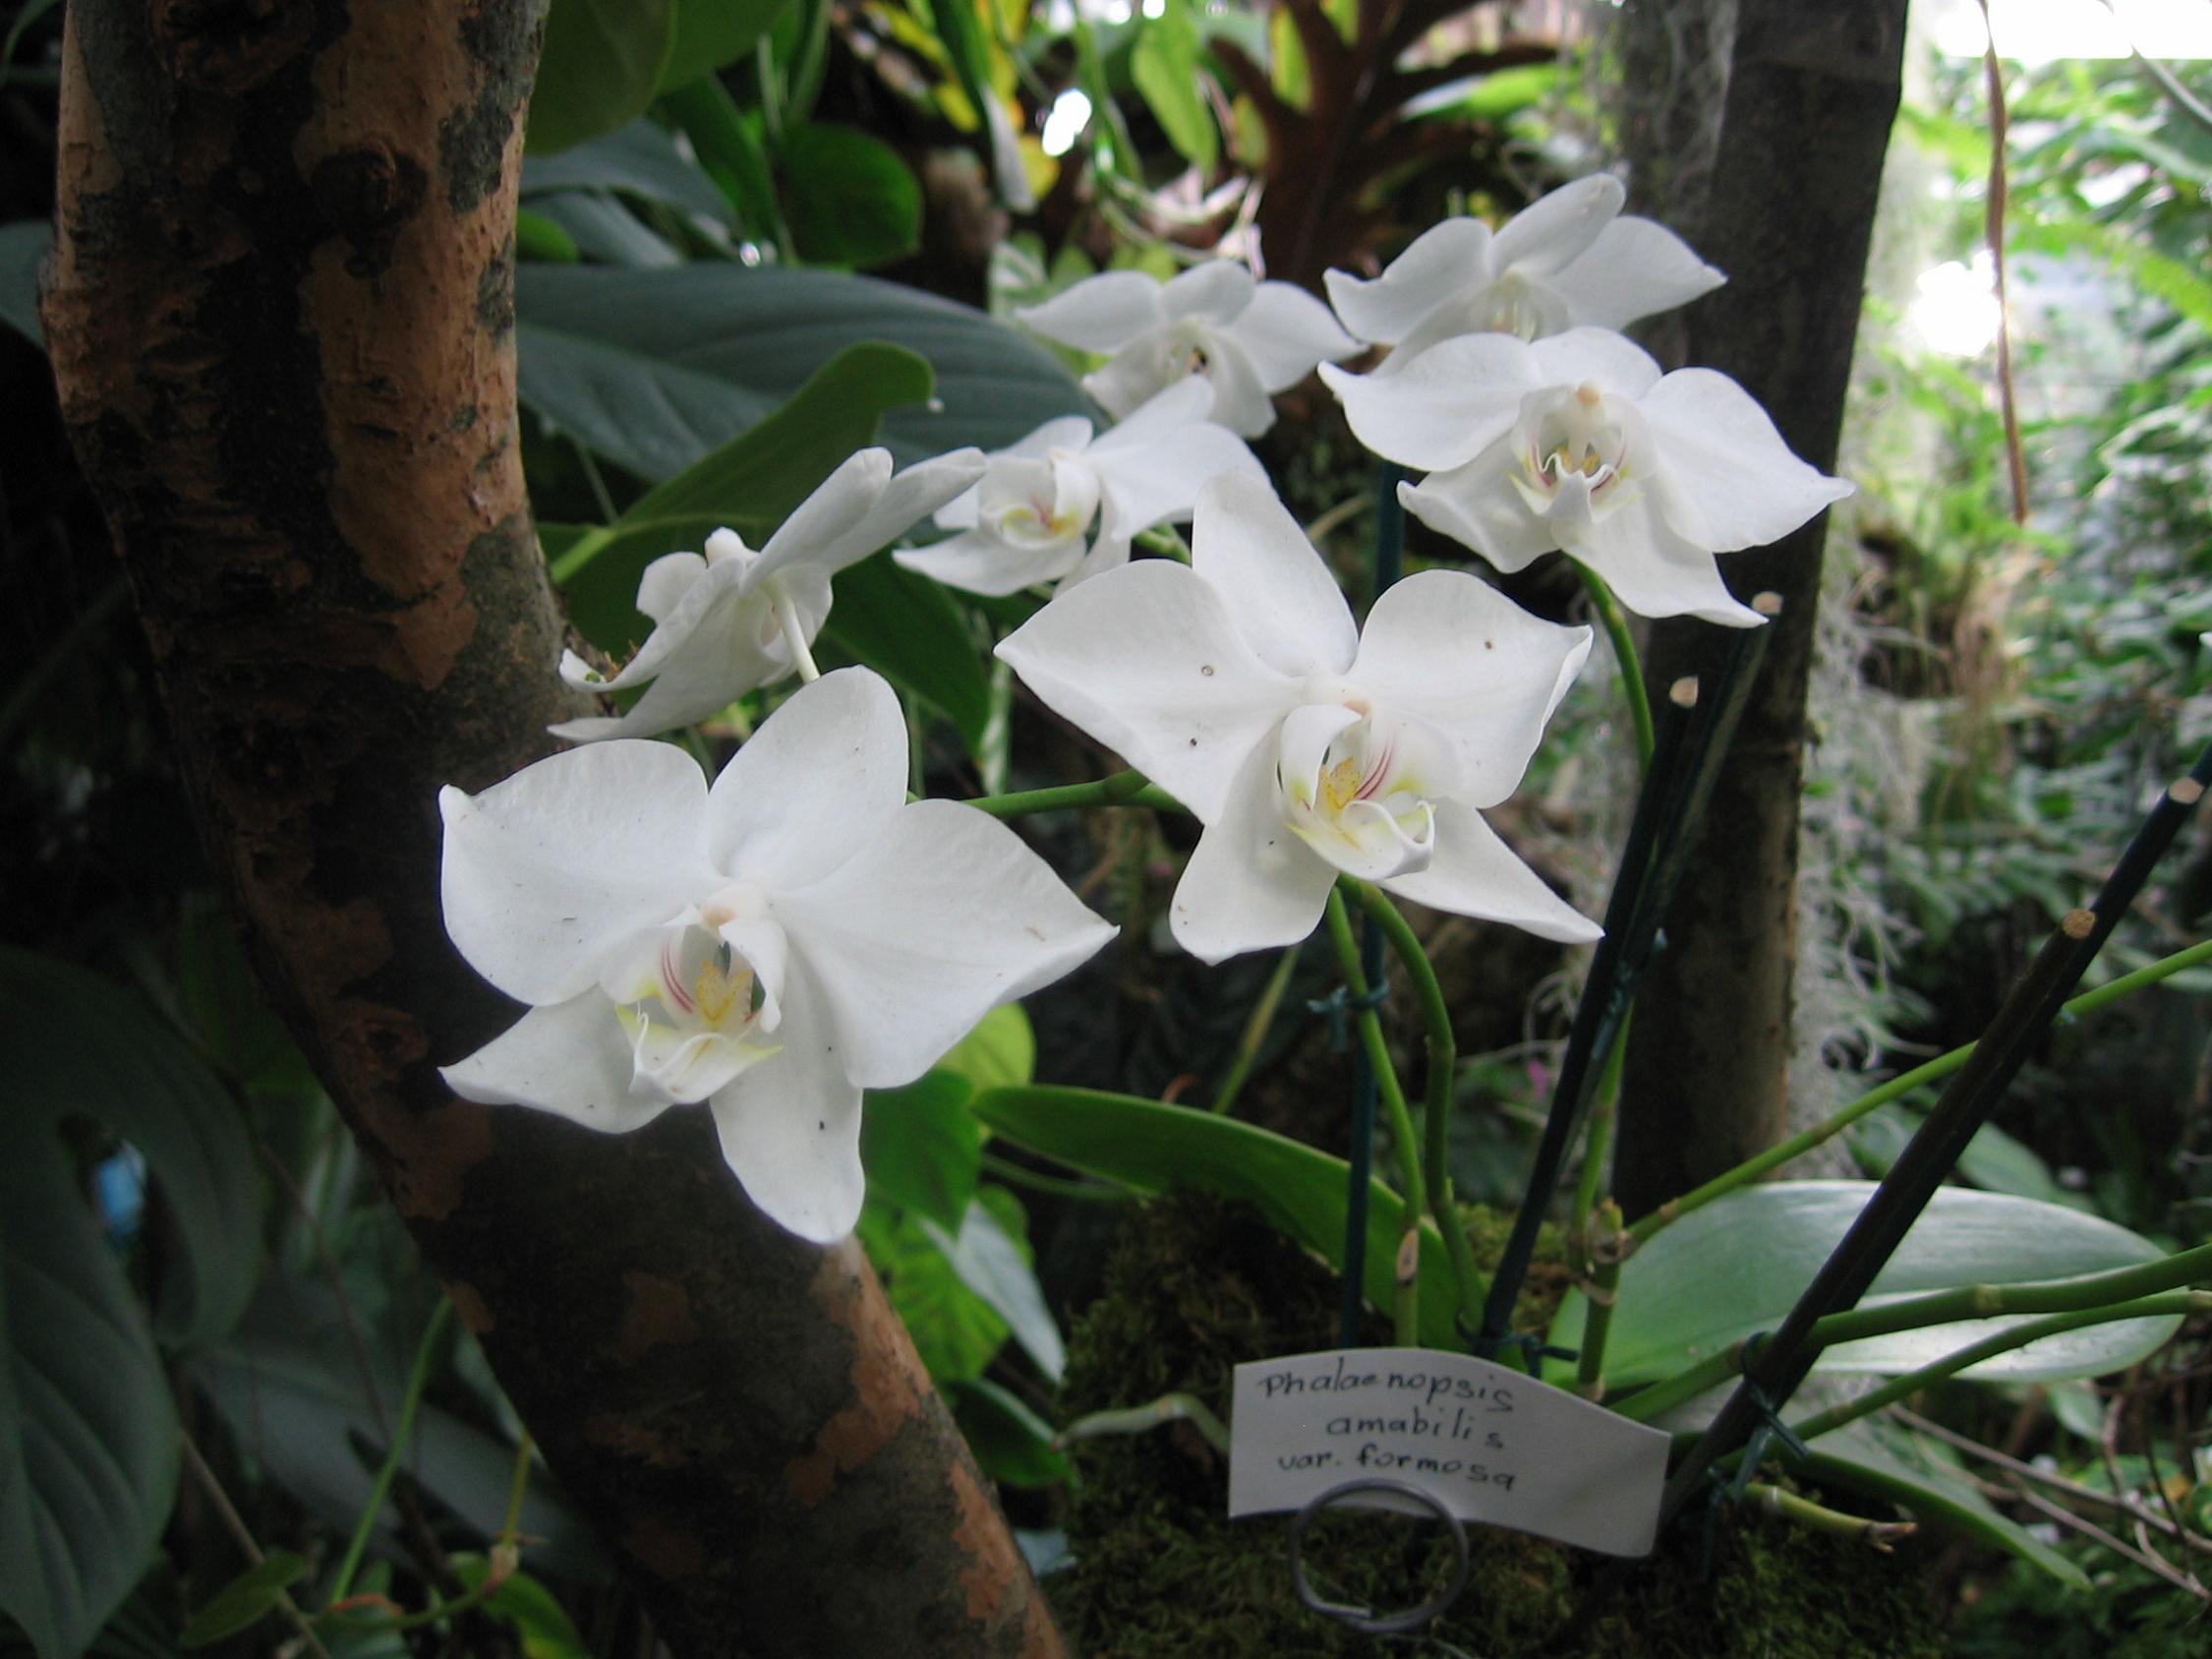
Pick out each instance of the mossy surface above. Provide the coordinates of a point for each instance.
(1194, 1286)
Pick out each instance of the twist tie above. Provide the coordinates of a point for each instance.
(1340, 1005)
(1365, 1619)
(1771, 1428)
(1532, 1347)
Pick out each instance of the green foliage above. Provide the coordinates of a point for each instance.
(849, 199)
(602, 64)
(245, 1601)
(1165, 65)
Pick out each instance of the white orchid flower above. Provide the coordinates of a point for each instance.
(733, 618)
(1241, 684)
(1563, 262)
(1248, 338)
(1578, 443)
(769, 947)
(1030, 519)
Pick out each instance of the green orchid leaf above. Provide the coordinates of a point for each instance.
(600, 66)
(922, 1148)
(656, 369)
(711, 35)
(1165, 66)
(640, 160)
(849, 199)
(955, 1332)
(1001, 1051)
(1736, 1267)
(1011, 1442)
(1157, 1147)
(535, 1613)
(907, 628)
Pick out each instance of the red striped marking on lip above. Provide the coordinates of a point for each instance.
(1373, 780)
(672, 987)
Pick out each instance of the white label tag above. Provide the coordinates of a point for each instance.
(1489, 1443)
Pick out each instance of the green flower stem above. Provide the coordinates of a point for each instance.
(1441, 1057)
(418, 1379)
(243, 1537)
(2170, 1302)
(1615, 622)
(2089, 1293)
(1166, 543)
(1408, 1308)
(1255, 1033)
(1123, 789)
(1942, 1066)
(1599, 1145)
(1600, 1296)
(1858, 1530)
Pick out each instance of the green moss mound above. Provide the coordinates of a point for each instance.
(1195, 1286)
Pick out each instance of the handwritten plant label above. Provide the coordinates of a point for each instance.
(1489, 1443)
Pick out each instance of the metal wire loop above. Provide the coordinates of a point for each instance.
(1365, 1619)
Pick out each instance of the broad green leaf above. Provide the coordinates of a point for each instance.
(1011, 1442)
(1157, 1147)
(922, 1148)
(22, 246)
(537, 237)
(604, 232)
(1993, 1159)
(713, 34)
(1001, 1051)
(1875, 1460)
(1165, 66)
(245, 1601)
(1735, 1267)
(849, 199)
(728, 142)
(601, 67)
(991, 1254)
(655, 368)
(546, 1629)
(639, 160)
(907, 628)
(750, 484)
(87, 1433)
(955, 1332)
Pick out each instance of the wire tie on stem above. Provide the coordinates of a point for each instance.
(1340, 1005)
(1533, 1346)
(1365, 1619)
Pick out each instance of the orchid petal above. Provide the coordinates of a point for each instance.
(1102, 313)
(863, 507)
(1600, 357)
(791, 1127)
(545, 870)
(1110, 552)
(1474, 873)
(1635, 268)
(570, 1058)
(1214, 292)
(1239, 393)
(1157, 481)
(1448, 649)
(1285, 332)
(1251, 883)
(1443, 261)
(1445, 406)
(977, 562)
(1730, 481)
(1137, 373)
(1551, 231)
(1147, 660)
(938, 919)
(714, 591)
(1477, 505)
(1283, 600)
(731, 649)
(825, 775)
(1184, 404)
(1069, 433)
(1654, 571)
(666, 581)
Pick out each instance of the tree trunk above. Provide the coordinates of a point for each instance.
(281, 318)
(1813, 89)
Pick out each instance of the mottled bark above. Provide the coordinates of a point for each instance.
(1812, 91)
(281, 320)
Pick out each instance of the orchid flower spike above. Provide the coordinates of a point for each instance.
(1030, 519)
(1578, 443)
(1249, 339)
(1242, 685)
(769, 947)
(1566, 261)
(732, 618)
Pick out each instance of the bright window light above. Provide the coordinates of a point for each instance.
(1065, 123)
(2036, 32)
(1155, 8)
(1955, 310)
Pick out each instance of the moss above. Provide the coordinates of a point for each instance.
(1193, 1287)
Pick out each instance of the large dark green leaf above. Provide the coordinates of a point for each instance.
(922, 1148)
(750, 484)
(639, 160)
(655, 368)
(711, 34)
(601, 67)
(848, 197)
(1737, 1266)
(22, 245)
(1156, 1147)
(955, 1332)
